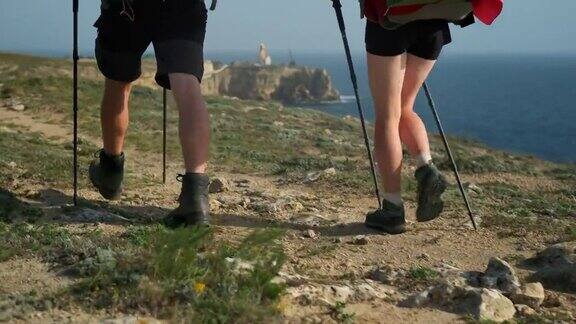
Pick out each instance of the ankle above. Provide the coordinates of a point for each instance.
(423, 159)
(394, 198)
(194, 179)
(114, 162)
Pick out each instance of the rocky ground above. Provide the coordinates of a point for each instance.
(290, 190)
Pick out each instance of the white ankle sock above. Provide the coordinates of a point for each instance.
(423, 159)
(394, 197)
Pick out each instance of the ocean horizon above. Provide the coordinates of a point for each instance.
(522, 104)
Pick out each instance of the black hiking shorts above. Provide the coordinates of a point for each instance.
(424, 38)
(176, 28)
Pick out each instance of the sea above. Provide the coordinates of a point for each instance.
(522, 104)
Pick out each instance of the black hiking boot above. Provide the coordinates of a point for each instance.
(431, 186)
(194, 208)
(106, 174)
(389, 219)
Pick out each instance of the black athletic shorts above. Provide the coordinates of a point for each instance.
(126, 28)
(424, 38)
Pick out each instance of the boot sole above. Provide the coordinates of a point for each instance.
(394, 230)
(174, 223)
(431, 205)
(177, 220)
(107, 194)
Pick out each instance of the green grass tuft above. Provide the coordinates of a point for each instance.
(186, 274)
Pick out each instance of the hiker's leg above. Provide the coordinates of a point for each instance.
(194, 121)
(178, 38)
(412, 129)
(386, 74)
(431, 183)
(114, 115)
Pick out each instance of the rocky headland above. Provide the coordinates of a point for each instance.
(287, 84)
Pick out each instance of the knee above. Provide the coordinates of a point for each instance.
(185, 86)
(116, 88)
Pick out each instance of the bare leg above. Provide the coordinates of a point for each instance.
(386, 76)
(114, 115)
(194, 121)
(412, 129)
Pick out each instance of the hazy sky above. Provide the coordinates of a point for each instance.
(527, 26)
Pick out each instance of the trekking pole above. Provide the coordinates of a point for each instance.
(213, 5)
(449, 152)
(338, 8)
(164, 137)
(75, 99)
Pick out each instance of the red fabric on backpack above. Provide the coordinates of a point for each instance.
(376, 9)
(485, 10)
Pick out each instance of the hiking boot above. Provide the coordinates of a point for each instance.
(431, 186)
(194, 208)
(389, 219)
(106, 174)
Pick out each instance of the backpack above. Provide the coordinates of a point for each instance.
(392, 14)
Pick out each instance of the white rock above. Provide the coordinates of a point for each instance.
(15, 105)
(491, 305)
(525, 310)
(531, 294)
(313, 176)
(330, 171)
(316, 175)
(473, 187)
(310, 234)
(481, 303)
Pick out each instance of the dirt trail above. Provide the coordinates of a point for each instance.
(336, 220)
(52, 132)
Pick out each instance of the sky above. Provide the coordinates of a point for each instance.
(526, 27)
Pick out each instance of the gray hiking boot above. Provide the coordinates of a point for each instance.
(194, 208)
(389, 219)
(431, 186)
(106, 174)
